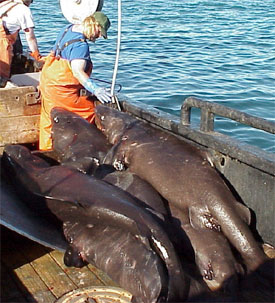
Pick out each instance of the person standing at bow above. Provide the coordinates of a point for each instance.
(15, 15)
(67, 70)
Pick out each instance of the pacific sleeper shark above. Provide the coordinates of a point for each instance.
(71, 195)
(197, 195)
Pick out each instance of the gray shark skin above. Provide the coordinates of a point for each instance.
(81, 145)
(212, 252)
(69, 193)
(182, 174)
(76, 141)
(138, 188)
(119, 254)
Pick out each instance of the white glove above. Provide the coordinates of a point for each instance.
(103, 94)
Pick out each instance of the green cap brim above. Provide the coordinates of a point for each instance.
(103, 21)
(104, 33)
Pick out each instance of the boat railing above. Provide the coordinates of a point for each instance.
(249, 170)
(210, 109)
(206, 136)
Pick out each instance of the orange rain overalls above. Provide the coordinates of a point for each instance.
(6, 47)
(59, 88)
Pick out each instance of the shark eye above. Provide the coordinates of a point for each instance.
(55, 119)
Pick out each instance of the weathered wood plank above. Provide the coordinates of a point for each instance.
(14, 102)
(41, 273)
(19, 116)
(27, 278)
(51, 273)
(19, 130)
(37, 291)
(13, 255)
(82, 277)
(9, 289)
(19, 123)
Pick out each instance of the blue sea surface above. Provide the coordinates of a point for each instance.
(219, 51)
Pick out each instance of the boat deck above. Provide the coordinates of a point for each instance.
(31, 272)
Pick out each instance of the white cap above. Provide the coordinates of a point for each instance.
(75, 11)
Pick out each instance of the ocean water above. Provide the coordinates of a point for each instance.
(220, 51)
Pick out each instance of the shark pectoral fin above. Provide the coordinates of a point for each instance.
(244, 212)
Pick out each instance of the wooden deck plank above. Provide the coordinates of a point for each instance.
(14, 257)
(24, 277)
(18, 253)
(29, 282)
(9, 290)
(42, 273)
(82, 277)
(36, 288)
(51, 273)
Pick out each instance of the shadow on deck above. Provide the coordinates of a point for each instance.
(31, 272)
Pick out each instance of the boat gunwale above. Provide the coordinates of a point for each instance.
(245, 153)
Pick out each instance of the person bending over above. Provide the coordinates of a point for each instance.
(15, 15)
(67, 70)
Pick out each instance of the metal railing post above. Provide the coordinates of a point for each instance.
(210, 109)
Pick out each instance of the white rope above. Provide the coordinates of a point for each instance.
(114, 98)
